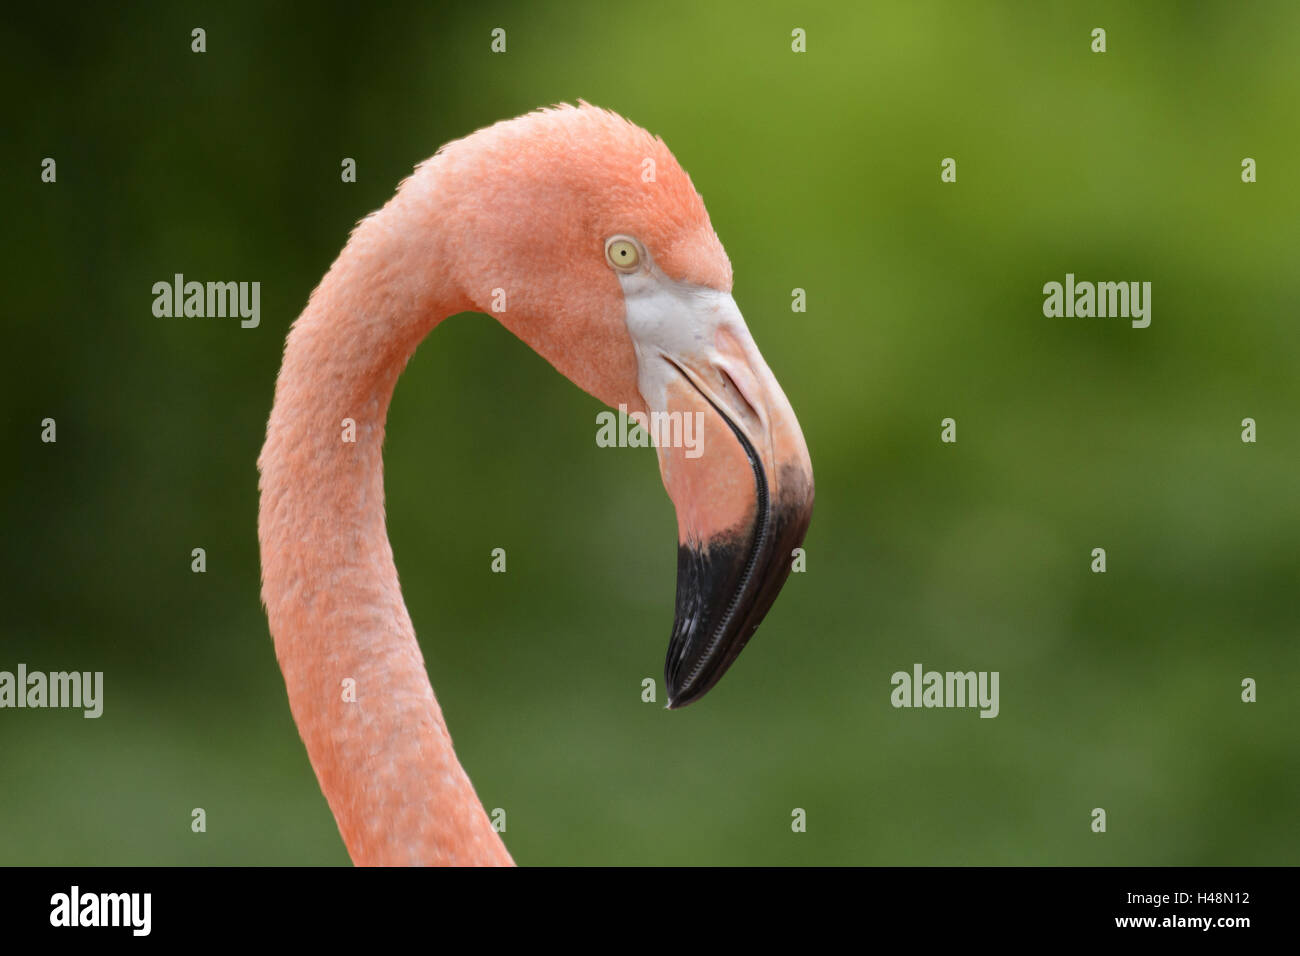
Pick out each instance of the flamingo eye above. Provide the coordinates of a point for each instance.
(622, 254)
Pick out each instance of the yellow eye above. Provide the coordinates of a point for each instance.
(622, 254)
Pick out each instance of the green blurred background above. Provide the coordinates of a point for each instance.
(820, 171)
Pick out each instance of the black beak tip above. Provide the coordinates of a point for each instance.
(687, 684)
(725, 587)
(677, 699)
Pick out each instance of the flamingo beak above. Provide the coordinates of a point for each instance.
(743, 488)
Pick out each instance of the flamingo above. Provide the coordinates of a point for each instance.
(580, 232)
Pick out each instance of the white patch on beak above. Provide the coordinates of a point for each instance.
(676, 330)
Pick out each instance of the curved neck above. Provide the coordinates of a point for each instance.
(355, 676)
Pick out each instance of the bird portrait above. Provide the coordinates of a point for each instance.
(620, 282)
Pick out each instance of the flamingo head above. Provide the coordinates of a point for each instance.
(585, 238)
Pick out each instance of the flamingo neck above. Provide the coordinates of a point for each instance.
(355, 676)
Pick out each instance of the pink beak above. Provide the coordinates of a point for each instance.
(744, 497)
